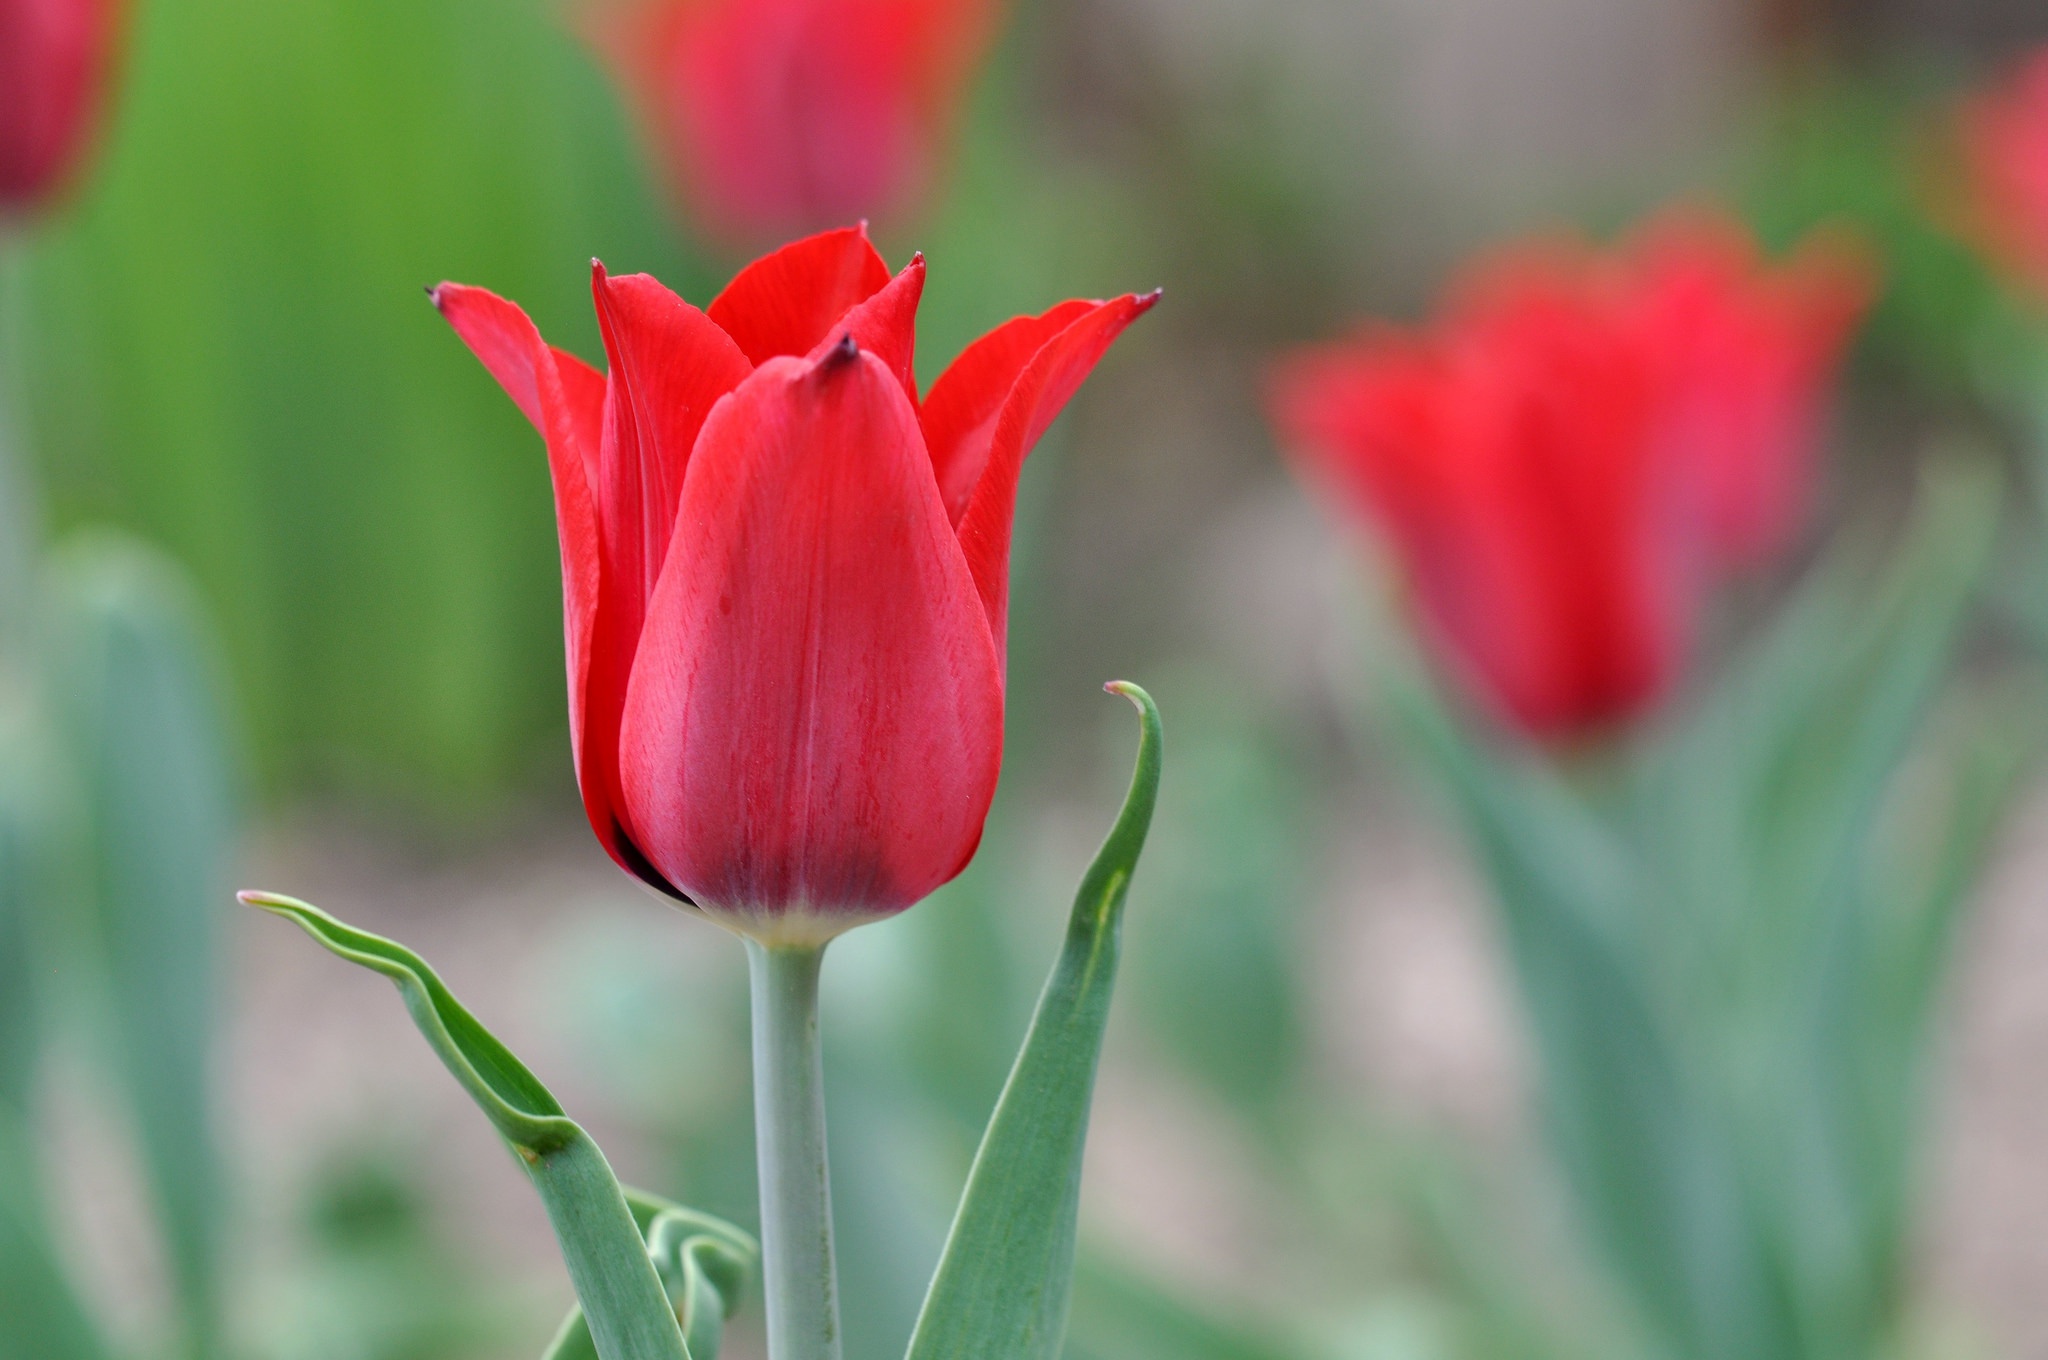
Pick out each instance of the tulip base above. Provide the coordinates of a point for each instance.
(799, 1273)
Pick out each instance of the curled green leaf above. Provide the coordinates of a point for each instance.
(630, 1316)
(706, 1264)
(1005, 1281)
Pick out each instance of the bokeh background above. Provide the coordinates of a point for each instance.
(1313, 1134)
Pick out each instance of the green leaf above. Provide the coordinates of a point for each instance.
(615, 1278)
(23, 871)
(130, 679)
(705, 1263)
(1002, 1288)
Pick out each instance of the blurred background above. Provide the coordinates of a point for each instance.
(1314, 1134)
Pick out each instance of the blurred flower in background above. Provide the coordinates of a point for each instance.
(776, 117)
(54, 56)
(1577, 446)
(2003, 132)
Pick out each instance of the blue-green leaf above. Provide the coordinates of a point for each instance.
(615, 1278)
(23, 870)
(705, 1263)
(130, 680)
(1003, 1285)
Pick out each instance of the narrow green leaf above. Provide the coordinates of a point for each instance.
(705, 1263)
(23, 869)
(601, 1242)
(130, 679)
(1003, 1285)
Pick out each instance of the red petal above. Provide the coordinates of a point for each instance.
(959, 416)
(814, 724)
(788, 301)
(669, 363)
(886, 326)
(1041, 390)
(563, 397)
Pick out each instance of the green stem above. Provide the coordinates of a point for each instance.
(798, 1272)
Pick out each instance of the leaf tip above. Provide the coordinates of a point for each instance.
(1135, 693)
(1148, 711)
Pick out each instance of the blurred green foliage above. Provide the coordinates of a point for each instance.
(117, 820)
(1870, 150)
(235, 358)
(1730, 950)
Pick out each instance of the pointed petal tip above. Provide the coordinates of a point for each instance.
(838, 357)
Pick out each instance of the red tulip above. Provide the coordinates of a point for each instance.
(2004, 145)
(785, 578)
(1565, 458)
(53, 61)
(779, 116)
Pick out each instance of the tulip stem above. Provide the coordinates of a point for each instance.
(799, 1274)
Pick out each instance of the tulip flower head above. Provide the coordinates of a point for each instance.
(780, 116)
(53, 63)
(2003, 135)
(1564, 460)
(786, 576)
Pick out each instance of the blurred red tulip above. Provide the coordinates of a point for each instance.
(780, 116)
(2003, 135)
(1578, 444)
(53, 62)
(785, 578)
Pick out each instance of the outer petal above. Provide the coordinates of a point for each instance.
(564, 399)
(1751, 354)
(1041, 390)
(959, 416)
(789, 301)
(814, 724)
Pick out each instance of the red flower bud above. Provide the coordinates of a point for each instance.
(780, 116)
(53, 62)
(1564, 459)
(2003, 136)
(785, 578)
